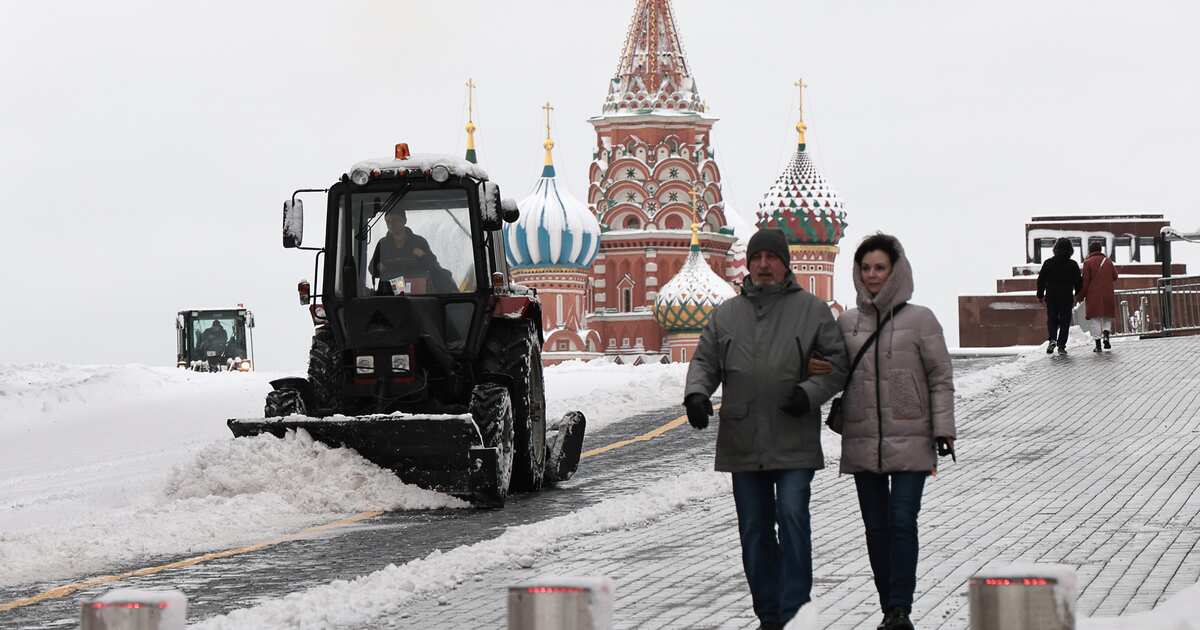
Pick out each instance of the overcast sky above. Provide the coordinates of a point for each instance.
(146, 149)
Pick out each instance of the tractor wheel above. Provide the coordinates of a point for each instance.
(491, 409)
(512, 348)
(325, 372)
(284, 402)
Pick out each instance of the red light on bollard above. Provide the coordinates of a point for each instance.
(402, 151)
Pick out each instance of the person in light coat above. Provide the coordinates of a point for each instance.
(898, 413)
(1099, 284)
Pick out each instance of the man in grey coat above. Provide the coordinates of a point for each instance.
(757, 346)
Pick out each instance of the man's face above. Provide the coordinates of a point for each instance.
(767, 268)
(396, 220)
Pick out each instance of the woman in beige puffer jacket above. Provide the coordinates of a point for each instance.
(898, 406)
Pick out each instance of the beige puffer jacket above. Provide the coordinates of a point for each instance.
(891, 422)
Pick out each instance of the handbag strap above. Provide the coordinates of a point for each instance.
(870, 340)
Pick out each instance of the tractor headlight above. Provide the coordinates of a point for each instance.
(360, 176)
(364, 365)
(439, 173)
(400, 363)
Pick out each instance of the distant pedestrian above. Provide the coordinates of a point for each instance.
(757, 345)
(1099, 291)
(898, 413)
(1058, 283)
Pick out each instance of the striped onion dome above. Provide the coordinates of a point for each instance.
(554, 229)
(687, 301)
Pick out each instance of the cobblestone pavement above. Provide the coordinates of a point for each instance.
(1092, 461)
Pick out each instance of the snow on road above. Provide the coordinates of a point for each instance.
(106, 465)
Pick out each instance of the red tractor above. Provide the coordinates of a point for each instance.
(425, 357)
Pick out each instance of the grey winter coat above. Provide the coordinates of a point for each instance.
(757, 346)
(891, 422)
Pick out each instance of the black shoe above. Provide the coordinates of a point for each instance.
(883, 624)
(1062, 350)
(1107, 345)
(1097, 348)
(770, 626)
(897, 619)
(1050, 348)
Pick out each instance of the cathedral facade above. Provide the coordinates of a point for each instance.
(634, 272)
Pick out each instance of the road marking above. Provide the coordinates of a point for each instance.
(67, 589)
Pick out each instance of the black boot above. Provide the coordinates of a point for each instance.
(1107, 345)
(1097, 348)
(1050, 348)
(897, 619)
(1062, 350)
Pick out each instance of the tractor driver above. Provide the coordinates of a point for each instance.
(403, 253)
(214, 338)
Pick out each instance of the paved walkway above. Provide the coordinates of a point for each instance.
(1089, 460)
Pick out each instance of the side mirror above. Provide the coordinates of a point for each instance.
(489, 206)
(249, 320)
(293, 223)
(509, 210)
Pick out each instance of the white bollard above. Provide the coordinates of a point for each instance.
(130, 609)
(1023, 596)
(561, 603)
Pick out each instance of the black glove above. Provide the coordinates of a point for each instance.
(797, 405)
(699, 408)
(944, 448)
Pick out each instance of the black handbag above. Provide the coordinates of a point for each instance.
(836, 421)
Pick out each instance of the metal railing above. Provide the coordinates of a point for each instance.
(1172, 306)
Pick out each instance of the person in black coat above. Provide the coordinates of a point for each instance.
(1058, 283)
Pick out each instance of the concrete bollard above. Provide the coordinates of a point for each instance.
(561, 603)
(130, 609)
(1023, 596)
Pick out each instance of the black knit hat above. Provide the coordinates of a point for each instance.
(770, 240)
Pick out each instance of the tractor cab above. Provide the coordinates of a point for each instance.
(215, 340)
(413, 263)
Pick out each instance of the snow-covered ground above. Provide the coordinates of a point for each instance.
(139, 458)
(104, 465)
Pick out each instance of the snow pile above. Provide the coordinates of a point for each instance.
(231, 493)
(606, 393)
(382, 592)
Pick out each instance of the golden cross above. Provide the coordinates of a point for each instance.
(547, 108)
(695, 195)
(801, 85)
(470, 99)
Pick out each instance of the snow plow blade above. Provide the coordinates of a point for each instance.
(438, 452)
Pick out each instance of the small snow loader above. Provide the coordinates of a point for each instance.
(215, 339)
(425, 357)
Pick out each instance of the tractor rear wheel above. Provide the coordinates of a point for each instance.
(284, 402)
(491, 409)
(325, 372)
(512, 348)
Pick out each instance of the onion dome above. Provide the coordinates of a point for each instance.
(800, 202)
(687, 301)
(554, 229)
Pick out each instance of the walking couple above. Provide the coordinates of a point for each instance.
(779, 355)
(1060, 285)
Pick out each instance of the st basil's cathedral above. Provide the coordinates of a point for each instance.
(634, 273)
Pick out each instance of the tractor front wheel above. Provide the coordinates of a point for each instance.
(491, 410)
(285, 401)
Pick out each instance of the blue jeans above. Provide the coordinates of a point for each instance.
(890, 517)
(779, 570)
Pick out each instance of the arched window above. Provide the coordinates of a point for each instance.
(674, 222)
(632, 223)
(626, 300)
